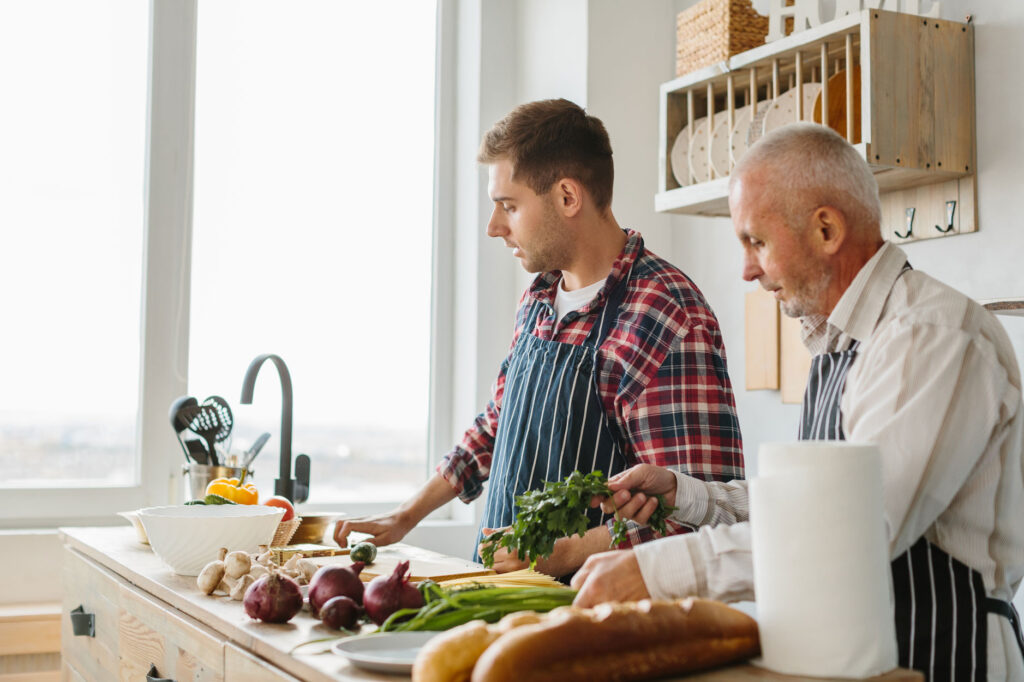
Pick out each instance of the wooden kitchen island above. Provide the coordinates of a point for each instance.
(146, 615)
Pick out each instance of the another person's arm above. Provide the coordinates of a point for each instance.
(698, 503)
(682, 416)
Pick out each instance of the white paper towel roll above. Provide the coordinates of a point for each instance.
(821, 564)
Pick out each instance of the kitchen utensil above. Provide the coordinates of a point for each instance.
(197, 451)
(213, 424)
(249, 455)
(837, 104)
(182, 411)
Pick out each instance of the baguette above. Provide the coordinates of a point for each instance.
(627, 641)
(450, 657)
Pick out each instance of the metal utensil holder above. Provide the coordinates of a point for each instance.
(200, 475)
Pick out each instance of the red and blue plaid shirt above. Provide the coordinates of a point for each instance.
(662, 378)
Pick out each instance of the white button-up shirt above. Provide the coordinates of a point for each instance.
(937, 388)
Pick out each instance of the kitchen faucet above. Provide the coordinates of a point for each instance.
(295, 489)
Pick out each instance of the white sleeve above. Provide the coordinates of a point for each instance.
(703, 503)
(714, 563)
(929, 396)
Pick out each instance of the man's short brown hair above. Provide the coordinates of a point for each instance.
(549, 140)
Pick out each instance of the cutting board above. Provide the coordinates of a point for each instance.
(423, 564)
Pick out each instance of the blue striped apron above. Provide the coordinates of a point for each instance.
(552, 419)
(941, 608)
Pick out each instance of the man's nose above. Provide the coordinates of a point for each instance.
(751, 269)
(495, 227)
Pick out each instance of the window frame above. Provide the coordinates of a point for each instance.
(166, 285)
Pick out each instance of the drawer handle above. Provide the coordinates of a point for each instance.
(83, 624)
(154, 676)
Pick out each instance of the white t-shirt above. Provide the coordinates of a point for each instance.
(568, 301)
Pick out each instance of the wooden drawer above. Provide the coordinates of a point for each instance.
(132, 631)
(94, 588)
(154, 633)
(241, 665)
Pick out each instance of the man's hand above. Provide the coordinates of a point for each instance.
(385, 528)
(609, 576)
(568, 554)
(647, 480)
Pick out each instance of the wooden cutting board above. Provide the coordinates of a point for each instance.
(423, 564)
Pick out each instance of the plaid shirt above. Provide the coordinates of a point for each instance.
(662, 378)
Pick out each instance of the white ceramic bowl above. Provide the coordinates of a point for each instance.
(188, 537)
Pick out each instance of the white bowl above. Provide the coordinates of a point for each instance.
(188, 537)
(133, 518)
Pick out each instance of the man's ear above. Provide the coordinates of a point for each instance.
(830, 229)
(569, 196)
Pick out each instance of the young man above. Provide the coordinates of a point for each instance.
(616, 357)
(901, 361)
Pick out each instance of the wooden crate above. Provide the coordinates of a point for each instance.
(914, 123)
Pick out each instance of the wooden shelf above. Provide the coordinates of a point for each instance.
(916, 120)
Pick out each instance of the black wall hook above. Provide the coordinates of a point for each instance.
(950, 210)
(910, 225)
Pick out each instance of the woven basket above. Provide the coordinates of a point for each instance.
(714, 30)
(285, 531)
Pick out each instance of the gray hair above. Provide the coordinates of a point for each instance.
(814, 166)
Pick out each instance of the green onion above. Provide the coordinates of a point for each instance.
(450, 608)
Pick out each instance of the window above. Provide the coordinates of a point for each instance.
(312, 232)
(312, 206)
(72, 134)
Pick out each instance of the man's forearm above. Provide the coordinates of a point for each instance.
(710, 503)
(435, 493)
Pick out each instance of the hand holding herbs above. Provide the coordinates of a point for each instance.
(557, 511)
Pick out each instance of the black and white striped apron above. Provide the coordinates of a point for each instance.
(941, 608)
(552, 419)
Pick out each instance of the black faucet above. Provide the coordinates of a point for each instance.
(295, 489)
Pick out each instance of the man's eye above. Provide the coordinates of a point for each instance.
(756, 243)
(507, 208)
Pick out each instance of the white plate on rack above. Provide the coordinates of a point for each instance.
(782, 111)
(738, 139)
(678, 157)
(698, 151)
(386, 652)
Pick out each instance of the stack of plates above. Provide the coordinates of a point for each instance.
(690, 163)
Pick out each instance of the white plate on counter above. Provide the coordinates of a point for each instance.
(386, 652)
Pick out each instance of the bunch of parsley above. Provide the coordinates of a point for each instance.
(557, 511)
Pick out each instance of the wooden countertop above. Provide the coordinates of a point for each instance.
(116, 549)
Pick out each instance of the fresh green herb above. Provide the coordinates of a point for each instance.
(193, 502)
(446, 609)
(557, 511)
(217, 499)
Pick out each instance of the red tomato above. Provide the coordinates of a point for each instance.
(283, 503)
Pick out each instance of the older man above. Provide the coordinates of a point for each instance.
(900, 360)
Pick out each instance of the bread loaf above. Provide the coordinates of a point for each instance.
(628, 641)
(450, 657)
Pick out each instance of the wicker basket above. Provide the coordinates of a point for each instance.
(714, 30)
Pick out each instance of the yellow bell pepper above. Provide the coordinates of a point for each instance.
(230, 488)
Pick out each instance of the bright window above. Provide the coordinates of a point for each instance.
(72, 133)
(312, 232)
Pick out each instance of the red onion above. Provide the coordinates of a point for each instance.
(273, 598)
(335, 581)
(340, 612)
(387, 594)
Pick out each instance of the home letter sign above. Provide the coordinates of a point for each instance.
(807, 13)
